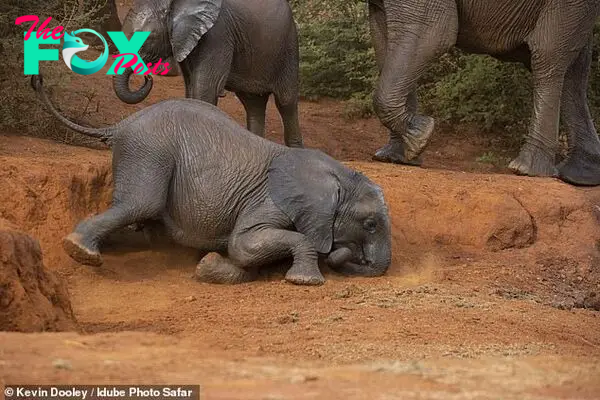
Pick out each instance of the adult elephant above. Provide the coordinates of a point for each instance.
(552, 38)
(250, 48)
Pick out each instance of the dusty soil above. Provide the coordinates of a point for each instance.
(32, 299)
(493, 291)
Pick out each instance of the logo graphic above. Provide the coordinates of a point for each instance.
(128, 56)
(73, 44)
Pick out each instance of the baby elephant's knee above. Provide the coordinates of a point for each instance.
(214, 268)
(245, 248)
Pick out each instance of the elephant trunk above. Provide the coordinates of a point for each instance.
(377, 259)
(339, 257)
(125, 94)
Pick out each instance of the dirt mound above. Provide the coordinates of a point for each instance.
(488, 212)
(47, 188)
(32, 299)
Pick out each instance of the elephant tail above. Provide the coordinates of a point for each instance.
(104, 134)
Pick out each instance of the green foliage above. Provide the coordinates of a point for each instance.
(478, 89)
(360, 105)
(336, 56)
(337, 60)
(492, 158)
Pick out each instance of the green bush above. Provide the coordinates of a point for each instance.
(478, 90)
(337, 60)
(336, 56)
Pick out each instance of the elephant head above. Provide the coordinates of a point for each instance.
(176, 26)
(341, 212)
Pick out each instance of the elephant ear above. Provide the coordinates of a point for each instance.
(190, 19)
(303, 185)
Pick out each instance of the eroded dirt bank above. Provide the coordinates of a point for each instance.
(32, 299)
(491, 293)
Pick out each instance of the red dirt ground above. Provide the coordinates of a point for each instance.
(455, 316)
(493, 291)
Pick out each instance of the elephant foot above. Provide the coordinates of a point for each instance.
(214, 268)
(305, 276)
(298, 144)
(86, 255)
(581, 168)
(531, 161)
(393, 152)
(408, 148)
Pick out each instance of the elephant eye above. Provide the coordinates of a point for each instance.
(370, 225)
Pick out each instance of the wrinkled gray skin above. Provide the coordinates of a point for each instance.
(552, 38)
(217, 187)
(247, 47)
(173, 68)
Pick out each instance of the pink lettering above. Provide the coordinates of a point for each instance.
(148, 70)
(28, 18)
(138, 68)
(161, 67)
(43, 30)
(166, 69)
(157, 67)
(48, 33)
(55, 33)
(122, 58)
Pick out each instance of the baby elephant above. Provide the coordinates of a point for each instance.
(219, 188)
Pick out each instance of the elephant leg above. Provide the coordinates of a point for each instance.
(407, 56)
(215, 268)
(288, 109)
(378, 28)
(186, 71)
(549, 65)
(537, 156)
(582, 165)
(255, 106)
(83, 244)
(255, 248)
(140, 193)
(207, 70)
(207, 88)
(285, 93)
